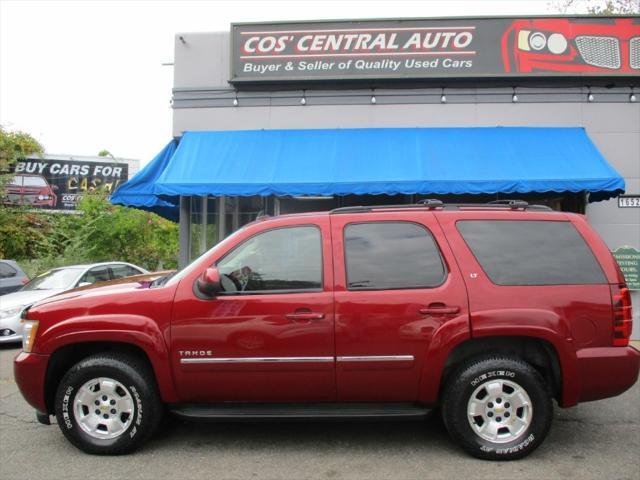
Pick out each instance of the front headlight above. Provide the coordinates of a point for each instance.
(29, 334)
(556, 43)
(11, 312)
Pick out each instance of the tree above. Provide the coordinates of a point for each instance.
(15, 146)
(106, 232)
(597, 7)
(616, 7)
(105, 153)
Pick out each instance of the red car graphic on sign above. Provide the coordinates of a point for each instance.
(33, 190)
(572, 45)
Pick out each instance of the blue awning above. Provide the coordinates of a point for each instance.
(380, 161)
(138, 192)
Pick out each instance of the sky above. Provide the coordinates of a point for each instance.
(82, 76)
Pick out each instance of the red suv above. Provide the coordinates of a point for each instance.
(489, 312)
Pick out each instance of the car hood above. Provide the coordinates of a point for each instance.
(120, 285)
(23, 298)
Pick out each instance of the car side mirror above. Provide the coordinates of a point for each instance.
(55, 188)
(83, 284)
(209, 282)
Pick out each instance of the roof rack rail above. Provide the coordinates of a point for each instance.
(432, 204)
(428, 203)
(510, 204)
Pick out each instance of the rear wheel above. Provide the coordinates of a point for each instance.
(497, 408)
(108, 405)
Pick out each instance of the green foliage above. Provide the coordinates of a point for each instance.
(24, 233)
(13, 147)
(105, 153)
(110, 232)
(100, 232)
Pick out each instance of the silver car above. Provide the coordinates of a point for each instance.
(51, 283)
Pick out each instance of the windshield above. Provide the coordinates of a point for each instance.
(34, 182)
(59, 279)
(177, 276)
(28, 181)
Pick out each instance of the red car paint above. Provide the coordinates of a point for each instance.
(170, 321)
(572, 60)
(33, 190)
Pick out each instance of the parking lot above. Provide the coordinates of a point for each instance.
(595, 440)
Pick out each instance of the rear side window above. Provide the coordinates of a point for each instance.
(7, 271)
(391, 255)
(122, 271)
(531, 252)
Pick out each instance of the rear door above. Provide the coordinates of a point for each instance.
(396, 283)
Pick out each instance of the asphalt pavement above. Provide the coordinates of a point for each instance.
(597, 440)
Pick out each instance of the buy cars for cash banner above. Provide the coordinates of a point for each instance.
(480, 47)
(60, 184)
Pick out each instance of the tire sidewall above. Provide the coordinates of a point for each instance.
(64, 407)
(516, 372)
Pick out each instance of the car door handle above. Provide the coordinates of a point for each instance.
(439, 310)
(304, 316)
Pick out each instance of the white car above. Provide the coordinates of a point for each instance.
(51, 283)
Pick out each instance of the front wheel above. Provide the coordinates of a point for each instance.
(497, 408)
(107, 404)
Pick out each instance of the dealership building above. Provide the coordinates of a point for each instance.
(278, 118)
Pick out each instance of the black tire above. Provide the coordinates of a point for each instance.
(135, 376)
(470, 377)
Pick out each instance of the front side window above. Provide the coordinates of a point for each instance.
(276, 260)
(391, 255)
(529, 252)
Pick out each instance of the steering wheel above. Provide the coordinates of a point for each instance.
(229, 283)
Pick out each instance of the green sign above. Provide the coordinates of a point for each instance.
(629, 260)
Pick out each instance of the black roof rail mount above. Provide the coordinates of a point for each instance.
(430, 202)
(510, 203)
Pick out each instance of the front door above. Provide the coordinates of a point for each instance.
(397, 286)
(269, 336)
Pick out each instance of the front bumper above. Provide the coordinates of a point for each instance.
(607, 372)
(30, 370)
(14, 324)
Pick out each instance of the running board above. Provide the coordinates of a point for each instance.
(300, 411)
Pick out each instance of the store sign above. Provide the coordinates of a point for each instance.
(451, 48)
(60, 184)
(629, 260)
(629, 201)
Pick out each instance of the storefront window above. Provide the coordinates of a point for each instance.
(206, 228)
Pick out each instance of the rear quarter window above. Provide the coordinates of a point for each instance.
(527, 252)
